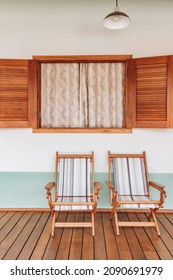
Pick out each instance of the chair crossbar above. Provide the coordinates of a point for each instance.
(139, 202)
(75, 224)
(136, 224)
(73, 203)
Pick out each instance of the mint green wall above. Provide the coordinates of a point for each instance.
(26, 189)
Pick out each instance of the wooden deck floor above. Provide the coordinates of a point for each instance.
(26, 235)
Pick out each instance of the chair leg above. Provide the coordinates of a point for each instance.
(53, 223)
(111, 215)
(93, 226)
(155, 221)
(116, 223)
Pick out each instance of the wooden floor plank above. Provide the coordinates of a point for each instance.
(166, 223)
(110, 238)
(5, 218)
(134, 246)
(122, 244)
(147, 247)
(64, 248)
(54, 242)
(13, 234)
(43, 241)
(35, 230)
(76, 243)
(3, 213)
(88, 241)
(26, 235)
(169, 217)
(20, 239)
(99, 240)
(165, 232)
(8, 227)
(156, 240)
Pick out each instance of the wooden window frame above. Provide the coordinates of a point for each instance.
(84, 58)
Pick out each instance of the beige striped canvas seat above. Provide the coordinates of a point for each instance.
(74, 188)
(129, 188)
(130, 179)
(74, 184)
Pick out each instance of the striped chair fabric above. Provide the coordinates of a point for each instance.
(130, 180)
(74, 184)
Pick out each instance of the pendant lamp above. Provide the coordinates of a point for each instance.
(116, 19)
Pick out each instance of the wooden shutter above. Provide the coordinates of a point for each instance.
(154, 91)
(16, 96)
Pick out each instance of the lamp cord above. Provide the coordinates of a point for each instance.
(116, 6)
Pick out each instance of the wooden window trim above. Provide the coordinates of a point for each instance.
(82, 130)
(79, 58)
(82, 58)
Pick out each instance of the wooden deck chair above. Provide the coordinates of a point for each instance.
(73, 189)
(129, 188)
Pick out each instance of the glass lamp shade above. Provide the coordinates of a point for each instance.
(116, 20)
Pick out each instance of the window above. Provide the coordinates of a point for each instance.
(98, 93)
(86, 94)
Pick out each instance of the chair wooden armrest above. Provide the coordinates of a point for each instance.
(112, 191)
(50, 186)
(110, 185)
(98, 188)
(157, 186)
(161, 189)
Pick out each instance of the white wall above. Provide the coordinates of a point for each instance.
(54, 27)
(21, 150)
(31, 27)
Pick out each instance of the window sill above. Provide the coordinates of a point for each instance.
(82, 130)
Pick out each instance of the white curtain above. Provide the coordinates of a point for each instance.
(82, 95)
